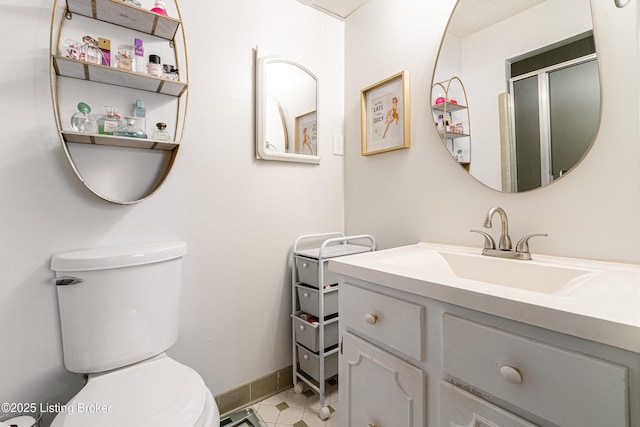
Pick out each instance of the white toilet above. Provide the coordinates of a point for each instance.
(119, 314)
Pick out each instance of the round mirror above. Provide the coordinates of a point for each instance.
(287, 111)
(515, 93)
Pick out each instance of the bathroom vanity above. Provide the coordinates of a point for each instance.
(439, 335)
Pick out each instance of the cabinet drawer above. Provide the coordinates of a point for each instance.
(308, 334)
(459, 408)
(309, 299)
(308, 272)
(569, 389)
(310, 363)
(394, 322)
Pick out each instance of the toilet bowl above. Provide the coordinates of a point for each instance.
(118, 314)
(153, 393)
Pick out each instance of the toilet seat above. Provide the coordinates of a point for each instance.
(159, 392)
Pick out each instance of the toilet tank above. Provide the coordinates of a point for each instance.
(118, 305)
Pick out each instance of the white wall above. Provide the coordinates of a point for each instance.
(239, 216)
(418, 194)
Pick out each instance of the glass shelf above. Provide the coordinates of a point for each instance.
(68, 67)
(126, 15)
(452, 135)
(118, 141)
(449, 107)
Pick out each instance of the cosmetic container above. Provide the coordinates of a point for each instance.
(105, 48)
(109, 122)
(161, 134)
(160, 8)
(130, 129)
(138, 52)
(154, 67)
(81, 121)
(140, 113)
(125, 58)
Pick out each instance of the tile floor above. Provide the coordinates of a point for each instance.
(289, 409)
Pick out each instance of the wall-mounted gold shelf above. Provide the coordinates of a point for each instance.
(126, 15)
(105, 171)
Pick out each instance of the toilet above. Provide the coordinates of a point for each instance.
(119, 312)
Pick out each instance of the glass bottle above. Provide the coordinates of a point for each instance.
(81, 121)
(129, 129)
(140, 113)
(138, 52)
(154, 67)
(161, 134)
(109, 122)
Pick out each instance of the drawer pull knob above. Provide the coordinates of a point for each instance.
(305, 265)
(371, 319)
(511, 375)
(306, 294)
(302, 327)
(305, 357)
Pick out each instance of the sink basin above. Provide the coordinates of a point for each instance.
(528, 275)
(531, 276)
(591, 299)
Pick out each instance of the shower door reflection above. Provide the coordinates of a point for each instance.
(555, 119)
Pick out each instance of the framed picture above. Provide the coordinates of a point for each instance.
(385, 115)
(307, 134)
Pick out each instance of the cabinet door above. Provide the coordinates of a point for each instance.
(378, 389)
(461, 409)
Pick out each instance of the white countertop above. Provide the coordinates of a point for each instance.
(604, 308)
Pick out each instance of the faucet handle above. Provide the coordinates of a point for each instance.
(523, 244)
(489, 243)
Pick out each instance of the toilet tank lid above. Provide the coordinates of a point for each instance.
(118, 256)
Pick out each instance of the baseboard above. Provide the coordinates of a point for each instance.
(255, 390)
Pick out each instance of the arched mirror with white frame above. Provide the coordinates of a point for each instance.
(286, 111)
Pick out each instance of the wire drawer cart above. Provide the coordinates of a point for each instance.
(314, 313)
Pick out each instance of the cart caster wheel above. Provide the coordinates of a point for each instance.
(324, 413)
(298, 388)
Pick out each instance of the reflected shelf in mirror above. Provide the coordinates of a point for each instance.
(452, 119)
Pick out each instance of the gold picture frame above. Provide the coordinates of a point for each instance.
(385, 115)
(307, 134)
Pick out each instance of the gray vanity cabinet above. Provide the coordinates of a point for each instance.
(378, 388)
(429, 363)
(461, 408)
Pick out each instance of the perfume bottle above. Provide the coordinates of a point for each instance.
(81, 121)
(109, 122)
(129, 129)
(154, 67)
(138, 51)
(140, 113)
(161, 134)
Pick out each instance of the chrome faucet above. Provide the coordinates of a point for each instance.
(504, 246)
(505, 240)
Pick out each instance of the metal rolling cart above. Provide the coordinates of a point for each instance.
(314, 314)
